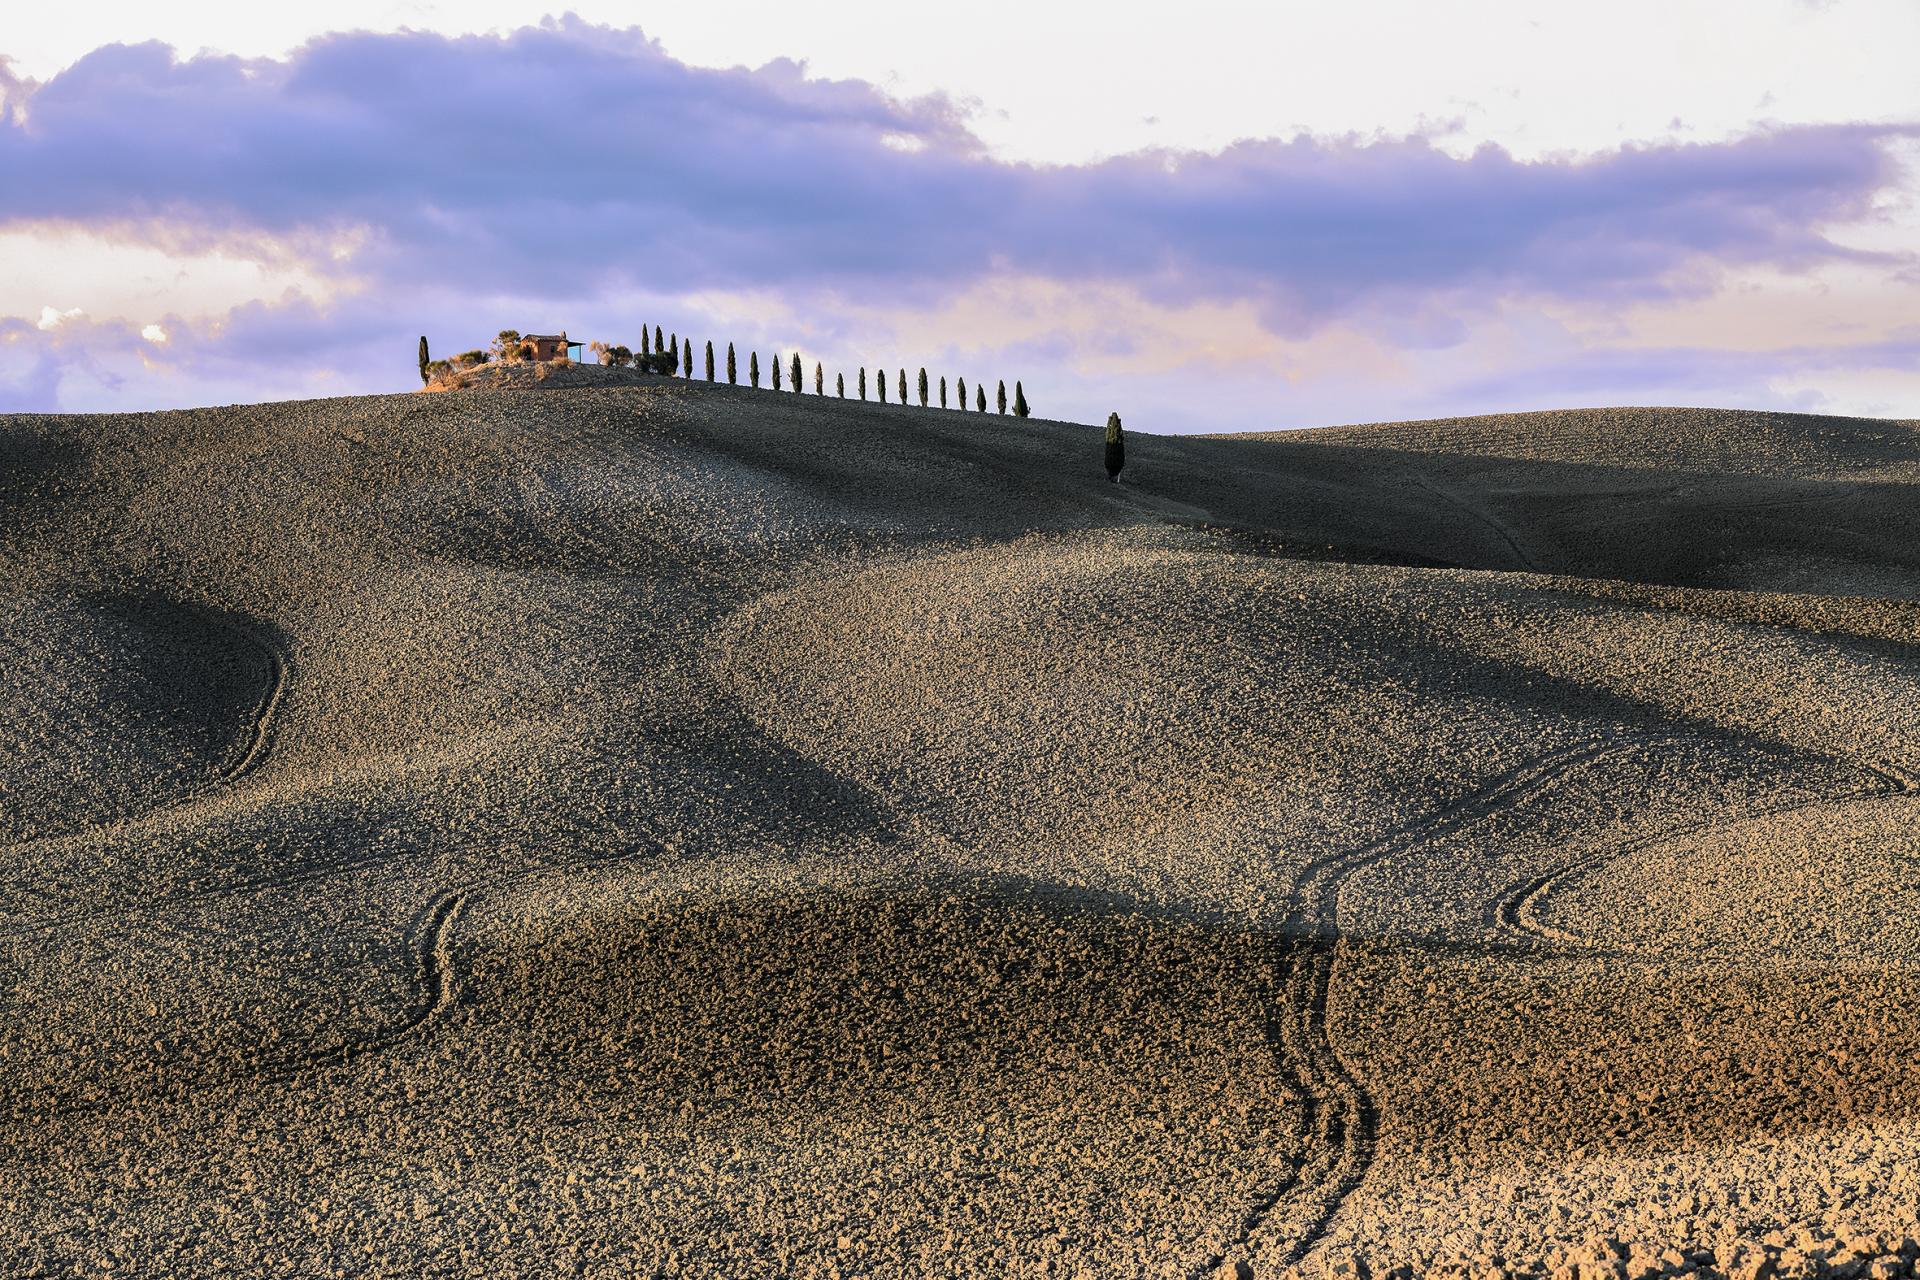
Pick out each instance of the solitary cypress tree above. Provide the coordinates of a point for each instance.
(687, 366)
(943, 391)
(423, 359)
(799, 375)
(709, 359)
(840, 385)
(753, 368)
(863, 382)
(1003, 395)
(1116, 448)
(819, 379)
(1019, 400)
(880, 383)
(903, 386)
(646, 341)
(980, 396)
(776, 371)
(733, 370)
(923, 387)
(963, 395)
(659, 340)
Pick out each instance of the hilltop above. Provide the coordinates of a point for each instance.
(684, 830)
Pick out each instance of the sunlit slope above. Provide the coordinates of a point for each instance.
(687, 830)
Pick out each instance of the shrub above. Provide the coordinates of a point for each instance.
(601, 351)
(709, 359)
(733, 369)
(506, 346)
(654, 362)
(963, 395)
(923, 386)
(799, 378)
(753, 368)
(1116, 448)
(423, 360)
(1003, 395)
(469, 359)
(1019, 400)
(840, 385)
(776, 371)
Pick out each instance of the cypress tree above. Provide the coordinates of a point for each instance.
(863, 382)
(943, 391)
(659, 340)
(903, 386)
(880, 383)
(709, 359)
(963, 395)
(1019, 400)
(923, 387)
(980, 396)
(733, 369)
(1116, 448)
(799, 375)
(776, 371)
(646, 341)
(819, 379)
(840, 385)
(687, 346)
(1003, 395)
(674, 351)
(753, 368)
(423, 359)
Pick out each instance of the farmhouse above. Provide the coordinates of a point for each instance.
(541, 347)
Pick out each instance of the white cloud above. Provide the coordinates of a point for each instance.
(154, 333)
(53, 317)
(1085, 79)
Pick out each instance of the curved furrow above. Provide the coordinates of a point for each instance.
(1342, 1118)
(1515, 913)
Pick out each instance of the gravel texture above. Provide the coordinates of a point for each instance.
(638, 827)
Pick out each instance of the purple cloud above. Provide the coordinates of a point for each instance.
(557, 174)
(571, 157)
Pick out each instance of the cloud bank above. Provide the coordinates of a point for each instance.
(574, 170)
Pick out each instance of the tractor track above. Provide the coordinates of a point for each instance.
(1341, 1117)
(1515, 913)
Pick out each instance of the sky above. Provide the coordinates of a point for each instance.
(1223, 216)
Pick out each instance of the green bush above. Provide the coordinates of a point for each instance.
(655, 362)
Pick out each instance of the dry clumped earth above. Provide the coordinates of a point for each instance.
(663, 829)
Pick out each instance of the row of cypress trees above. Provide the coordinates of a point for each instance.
(676, 357)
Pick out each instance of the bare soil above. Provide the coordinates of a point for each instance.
(643, 827)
